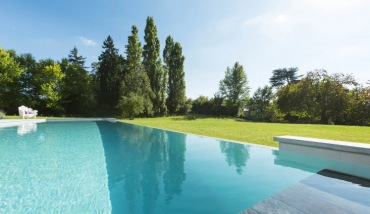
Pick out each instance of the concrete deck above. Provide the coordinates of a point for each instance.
(325, 192)
(360, 148)
(15, 122)
(349, 152)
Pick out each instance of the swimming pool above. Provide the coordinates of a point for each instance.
(103, 167)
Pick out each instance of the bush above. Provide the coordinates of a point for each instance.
(2, 114)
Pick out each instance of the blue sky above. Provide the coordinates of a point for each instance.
(261, 35)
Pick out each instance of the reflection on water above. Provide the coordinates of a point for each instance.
(157, 171)
(236, 154)
(27, 128)
(138, 160)
(174, 174)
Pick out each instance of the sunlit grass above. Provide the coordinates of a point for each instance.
(252, 132)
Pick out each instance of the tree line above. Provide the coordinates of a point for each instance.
(138, 83)
(316, 97)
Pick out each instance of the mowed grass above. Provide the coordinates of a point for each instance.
(253, 132)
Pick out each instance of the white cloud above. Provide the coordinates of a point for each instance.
(86, 41)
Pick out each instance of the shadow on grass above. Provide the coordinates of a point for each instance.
(196, 117)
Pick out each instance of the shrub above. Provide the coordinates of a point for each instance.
(2, 114)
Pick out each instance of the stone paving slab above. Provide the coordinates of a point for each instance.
(309, 196)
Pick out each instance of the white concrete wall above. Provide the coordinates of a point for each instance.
(344, 154)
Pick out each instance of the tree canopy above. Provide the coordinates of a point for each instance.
(136, 92)
(176, 94)
(139, 84)
(76, 60)
(153, 67)
(110, 74)
(318, 96)
(258, 106)
(234, 87)
(283, 76)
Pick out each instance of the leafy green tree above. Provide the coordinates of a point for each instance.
(317, 97)
(163, 90)
(136, 93)
(76, 60)
(258, 106)
(202, 105)
(10, 70)
(234, 87)
(172, 55)
(283, 76)
(110, 74)
(78, 89)
(359, 106)
(185, 107)
(28, 89)
(50, 85)
(218, 108)
(30, 85)
(153, 66)
(95, 75)
(358, 111)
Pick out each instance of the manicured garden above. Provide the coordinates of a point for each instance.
(253, 132)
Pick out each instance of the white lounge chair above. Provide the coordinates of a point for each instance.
(26, 112)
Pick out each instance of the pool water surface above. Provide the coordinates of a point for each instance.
(103, 167)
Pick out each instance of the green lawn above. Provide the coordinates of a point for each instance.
(257, 133)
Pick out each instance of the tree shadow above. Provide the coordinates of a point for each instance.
(196, 117)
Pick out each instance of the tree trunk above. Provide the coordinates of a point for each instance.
(324, 119)
(132, 117)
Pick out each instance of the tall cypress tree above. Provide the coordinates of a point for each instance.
(136, 94)
(163, 90)
(172, 55)
(110, 74)
(153, 66)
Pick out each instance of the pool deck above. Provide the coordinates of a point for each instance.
(349, 152)
(15, 122)
(340, 193)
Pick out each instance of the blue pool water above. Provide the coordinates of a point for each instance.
(103, 167)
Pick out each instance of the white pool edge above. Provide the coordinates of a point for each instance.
(16, 122)
(349, 152)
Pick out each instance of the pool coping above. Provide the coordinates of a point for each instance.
(215, 138)
(344, 146)
(343, 151)
(15, 122)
